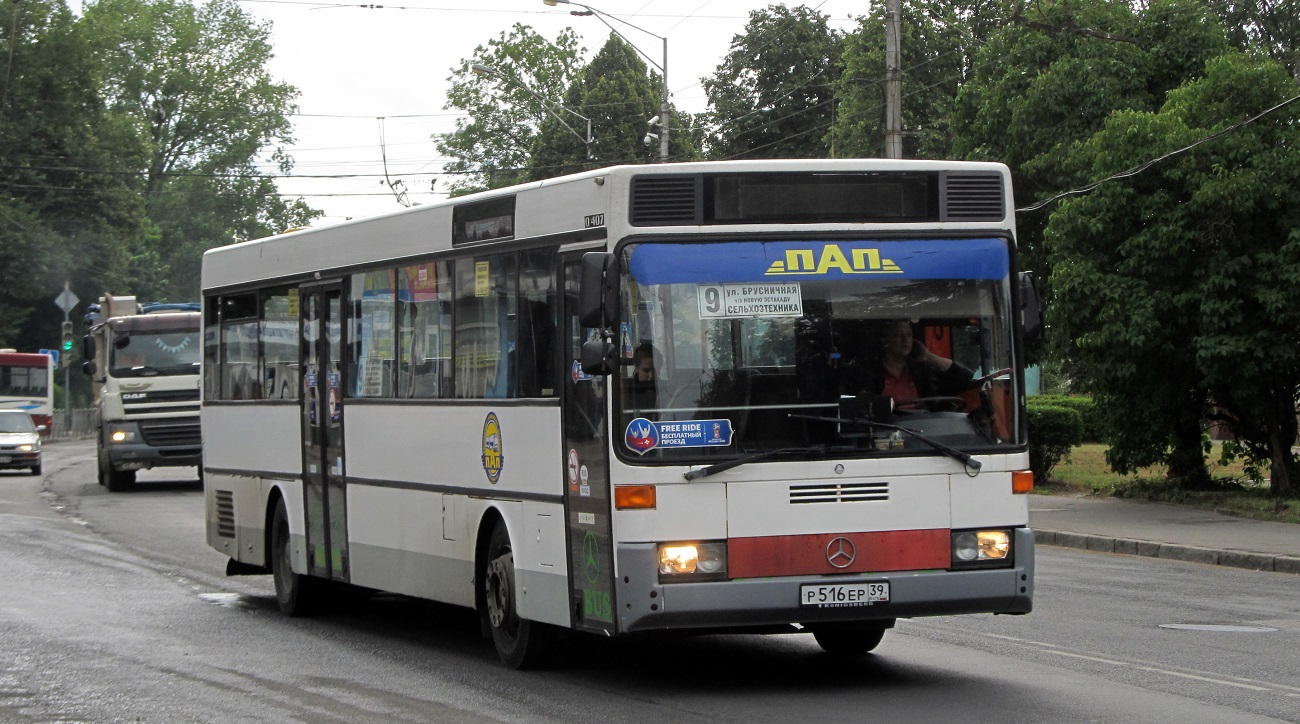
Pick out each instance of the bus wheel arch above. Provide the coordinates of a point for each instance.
(519, 642)
(297, 594)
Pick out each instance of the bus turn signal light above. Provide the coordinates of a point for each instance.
(633, 497)
(1022, 481)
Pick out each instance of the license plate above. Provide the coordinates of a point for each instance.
(842, 595)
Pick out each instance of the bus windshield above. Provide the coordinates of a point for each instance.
(868, 347)
(155, 352)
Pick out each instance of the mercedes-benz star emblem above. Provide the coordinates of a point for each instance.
(841, 552)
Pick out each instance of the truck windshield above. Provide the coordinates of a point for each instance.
(155, 352)
(735, 348)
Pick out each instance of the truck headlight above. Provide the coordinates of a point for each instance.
(981, 548)
(692, 561)
(121, 435)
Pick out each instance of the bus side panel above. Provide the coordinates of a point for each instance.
(237, 517)
(422, 542)
(230, 443)
(242, 469)
(396, 542)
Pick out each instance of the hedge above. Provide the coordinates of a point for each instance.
(1092, 425)
(1053, 432)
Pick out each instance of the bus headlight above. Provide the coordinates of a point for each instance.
(981, 548)
(692, 561)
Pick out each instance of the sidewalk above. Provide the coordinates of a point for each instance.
(1161, 530)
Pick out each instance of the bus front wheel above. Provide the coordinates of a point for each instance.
(857, 640)
(520, 643)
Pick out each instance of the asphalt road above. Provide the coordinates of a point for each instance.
(112, 608)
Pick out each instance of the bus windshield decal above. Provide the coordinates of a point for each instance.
(790, 261)
(644, 435)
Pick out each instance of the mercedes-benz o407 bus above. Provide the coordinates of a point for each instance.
(455, 402)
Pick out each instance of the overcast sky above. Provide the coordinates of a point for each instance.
(355, 65)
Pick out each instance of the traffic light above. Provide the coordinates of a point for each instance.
(67, 337)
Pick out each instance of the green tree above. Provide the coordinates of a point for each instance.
(773, 95)
(1269, 25)
(193, 79)
(492, 146)
(1056, 71)
(619, 94)
(934, 57)
(1180, 286)
(65, 215)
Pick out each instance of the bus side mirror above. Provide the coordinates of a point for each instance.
(599, 357)
(596, 293)
(88, 367)
(1031, 309)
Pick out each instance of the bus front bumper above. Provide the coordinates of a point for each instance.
(644, 604)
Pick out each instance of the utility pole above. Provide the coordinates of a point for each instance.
(893, 82)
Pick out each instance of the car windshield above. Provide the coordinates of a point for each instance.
(734, 348)
(163, 352)
(16, 422)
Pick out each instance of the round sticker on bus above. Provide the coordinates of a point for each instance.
(493, 456)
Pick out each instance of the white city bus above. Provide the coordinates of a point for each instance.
(459, 417)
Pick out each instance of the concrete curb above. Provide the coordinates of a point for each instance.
(1171, 551)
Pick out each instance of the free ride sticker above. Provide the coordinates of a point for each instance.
(644, 435)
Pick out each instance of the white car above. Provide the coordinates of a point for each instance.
(20, 441)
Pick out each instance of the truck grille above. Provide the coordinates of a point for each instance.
(172, 433)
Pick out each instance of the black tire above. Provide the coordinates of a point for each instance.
(520, 643)
(101, 465)
(36, 469)
(296, 594)
(120, 480)
(849, 640)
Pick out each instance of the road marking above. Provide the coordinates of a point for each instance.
(1205, 676)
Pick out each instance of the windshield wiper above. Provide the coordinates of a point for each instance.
(737, 462)
(970, 462)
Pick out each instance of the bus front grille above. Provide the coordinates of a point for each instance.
(839, 493)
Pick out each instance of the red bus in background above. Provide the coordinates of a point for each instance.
(27, 383)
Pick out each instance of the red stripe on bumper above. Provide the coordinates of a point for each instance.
(794, 555)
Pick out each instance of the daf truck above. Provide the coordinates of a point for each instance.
(144, 360)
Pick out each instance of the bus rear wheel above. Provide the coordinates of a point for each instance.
(855, 640)
(295, 593)
(520, 643)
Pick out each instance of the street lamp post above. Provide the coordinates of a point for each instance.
(663, 67)
(484, 69)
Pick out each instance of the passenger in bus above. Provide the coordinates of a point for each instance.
(642, 388)
(907, 370)
(645, 361)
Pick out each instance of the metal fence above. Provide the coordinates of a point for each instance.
(74, 424)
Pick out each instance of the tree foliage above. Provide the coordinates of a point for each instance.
(773, 95)
(492, 146)
(1179, 288)
(193, 80)
(619, 93)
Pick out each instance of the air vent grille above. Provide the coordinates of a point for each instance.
(839, 493)
(225, 513)
(666, 200)
(973, 197)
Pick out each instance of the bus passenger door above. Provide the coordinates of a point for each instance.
(587, 496)
(324, 493)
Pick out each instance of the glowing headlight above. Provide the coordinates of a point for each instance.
(122, 436)
(976, 547)
(26, 448)
(693, 560)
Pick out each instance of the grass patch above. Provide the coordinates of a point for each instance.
(1085, 472)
